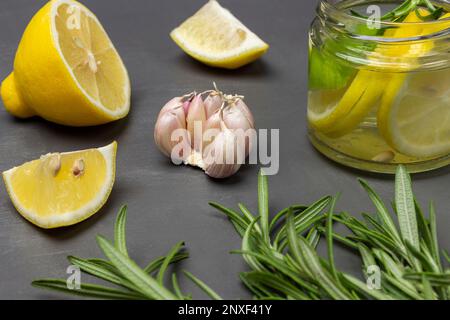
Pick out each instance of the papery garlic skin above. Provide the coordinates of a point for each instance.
(213, 130)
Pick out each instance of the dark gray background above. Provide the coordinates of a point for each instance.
(166, 203)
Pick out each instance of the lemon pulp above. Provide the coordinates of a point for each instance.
(91, 56)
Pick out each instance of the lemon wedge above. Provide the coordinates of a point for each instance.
(217, 38)
(62, 189)
(67, 70)
(414, 115)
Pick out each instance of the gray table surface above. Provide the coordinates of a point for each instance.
(168, 204)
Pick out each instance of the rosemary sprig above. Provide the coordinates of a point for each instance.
(132, 282)
(287, 266)
(281, 253)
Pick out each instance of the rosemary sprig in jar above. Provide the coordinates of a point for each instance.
(402, 11)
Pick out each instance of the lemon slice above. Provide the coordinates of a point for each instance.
(336, 114)
(217, 38)
(414, 116)
(62, 189)
(67, 69)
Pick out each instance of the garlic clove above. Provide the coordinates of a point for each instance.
(165, 127)
(221, 158)
(175, 106)
(212, 126)
(172, 104)
(235, 119)
(385, 156)
(212, 104)
(220, 171)
(196, 117)
(186, 105)
(242, 106)
(213, 121)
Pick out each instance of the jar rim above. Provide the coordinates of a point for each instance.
(327, 9)
(338, 12)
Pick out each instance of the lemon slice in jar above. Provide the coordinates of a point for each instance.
(62, 189)
(414, 116)
(341, 115)
(335, 114)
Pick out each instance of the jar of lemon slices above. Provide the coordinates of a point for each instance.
(379, 83)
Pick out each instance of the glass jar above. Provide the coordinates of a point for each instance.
(379, 91)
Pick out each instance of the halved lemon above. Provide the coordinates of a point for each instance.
(217, 38)
(62, 189)
(67, 70)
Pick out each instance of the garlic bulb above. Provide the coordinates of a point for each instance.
(208, 130)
